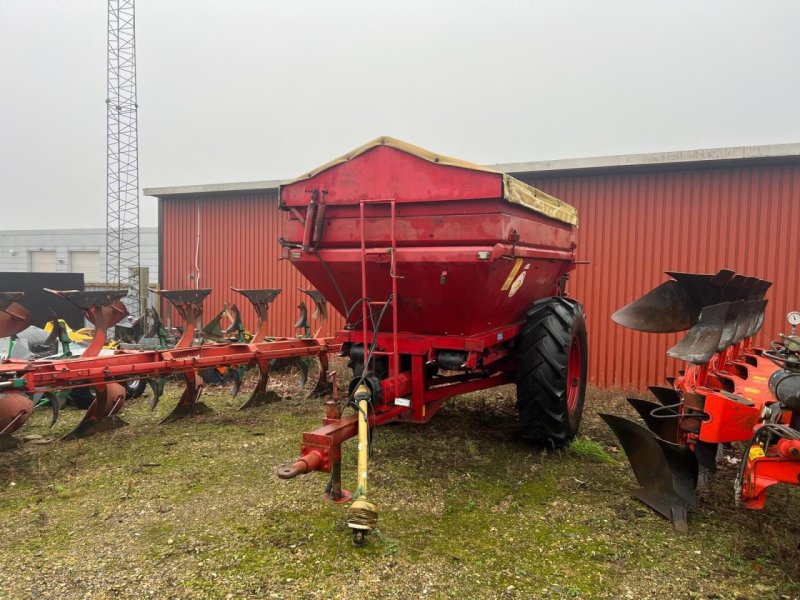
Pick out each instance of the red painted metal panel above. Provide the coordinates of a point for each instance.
(636, 225)
(235, 241)
(443, 290)
(455, 259)
(445, 224)
(410, 179)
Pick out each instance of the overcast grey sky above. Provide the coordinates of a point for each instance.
(247, 90)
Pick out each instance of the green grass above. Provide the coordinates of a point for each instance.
(589, 450)
(194, 510)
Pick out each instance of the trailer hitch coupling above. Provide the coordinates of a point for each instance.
(305, 464)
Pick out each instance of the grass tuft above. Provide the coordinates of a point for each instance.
(584, 447)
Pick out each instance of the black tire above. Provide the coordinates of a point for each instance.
(134, 388)
(82, 397)
(551, 372)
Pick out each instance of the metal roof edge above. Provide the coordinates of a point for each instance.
(68, 231)
(619, 161)
(213, 188)
(654, 159)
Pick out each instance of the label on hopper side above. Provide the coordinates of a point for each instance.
(514, 270)
(517, 284)
(402, 402)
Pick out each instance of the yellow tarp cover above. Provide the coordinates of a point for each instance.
(514, 190)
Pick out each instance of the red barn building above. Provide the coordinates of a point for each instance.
(640, 215)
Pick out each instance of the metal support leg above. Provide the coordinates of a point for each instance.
(102, 414)
(324, 385)
(189, 404)
(261, 395)
(335, 492)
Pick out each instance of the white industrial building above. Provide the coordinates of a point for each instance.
(69, 251)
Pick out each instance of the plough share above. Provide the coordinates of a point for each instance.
(106, 371)
(731, 391)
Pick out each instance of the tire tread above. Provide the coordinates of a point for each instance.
(543, 350)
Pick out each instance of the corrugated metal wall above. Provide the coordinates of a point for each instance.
(237, 246)
(634, 226)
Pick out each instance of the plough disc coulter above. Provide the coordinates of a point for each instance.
(727, 393)
(105, 371)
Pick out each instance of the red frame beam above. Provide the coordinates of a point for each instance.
(321, 448)
(40, 376)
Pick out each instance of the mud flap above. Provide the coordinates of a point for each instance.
(667, 472)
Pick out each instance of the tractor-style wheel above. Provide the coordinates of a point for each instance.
(551, 372)
(134, 388)
(82, 397)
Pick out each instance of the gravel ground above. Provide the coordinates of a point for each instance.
(193, 510)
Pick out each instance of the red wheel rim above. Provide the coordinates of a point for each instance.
(573, 375)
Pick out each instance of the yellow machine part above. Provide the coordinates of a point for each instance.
(84, 335)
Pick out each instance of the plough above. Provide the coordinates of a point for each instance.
(730, 391)
(106, 371)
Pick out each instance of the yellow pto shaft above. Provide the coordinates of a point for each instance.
(362, 515)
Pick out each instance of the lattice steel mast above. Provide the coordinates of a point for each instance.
(122, 222)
